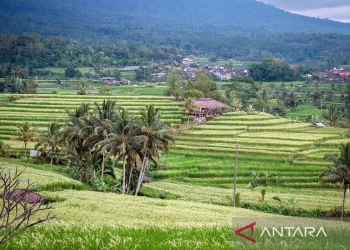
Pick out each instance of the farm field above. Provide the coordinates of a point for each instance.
(143, 89)
(106, 220)
(192, 195)
(285, 154)
(39, 110)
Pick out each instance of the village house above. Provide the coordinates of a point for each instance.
(109, 81)
(187, 61)
(205, 107)
(159, 76)
(335, 75)
(130, 68)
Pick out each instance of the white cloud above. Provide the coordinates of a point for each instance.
(338, 10)
(341, 13)
(306, 4)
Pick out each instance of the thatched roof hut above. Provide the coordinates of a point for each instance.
(209, 106)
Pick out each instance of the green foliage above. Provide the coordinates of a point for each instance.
(332, 114)
(242, 90)
(105, 90)
(204, 83)
(174, 81)
(273, 70)
(238, 200)
(143, 74)
(340, 173)
(193, 93)
(4, 149)
(26, 134)
(30, 86)
(49, 140)
(71, 72)
(82, 87)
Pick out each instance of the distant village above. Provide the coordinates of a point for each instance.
(336, 75)
(189, 68)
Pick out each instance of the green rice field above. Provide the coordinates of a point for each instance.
(188, 204)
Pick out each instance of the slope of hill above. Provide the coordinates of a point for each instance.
(110, 20)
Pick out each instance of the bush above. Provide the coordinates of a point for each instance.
(179, 95)
(193, 93)
(13, 98)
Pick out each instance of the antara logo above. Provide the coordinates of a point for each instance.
(281, 232)
(251, 227)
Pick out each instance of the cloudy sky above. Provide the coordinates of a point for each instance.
(338, 10)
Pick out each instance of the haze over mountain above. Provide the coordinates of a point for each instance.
(154, 21)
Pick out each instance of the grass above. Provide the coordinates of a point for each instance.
(112, 237)
(304, 111)
(41, 179)
(152, 237)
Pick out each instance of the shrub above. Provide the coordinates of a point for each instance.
(13, 98)
(193, 93)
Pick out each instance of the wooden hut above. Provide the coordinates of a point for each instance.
(205, 107)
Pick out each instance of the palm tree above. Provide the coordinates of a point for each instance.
(340, 173)
(50, 139)
(101, 130)
(119, 143)
(154, 136)
(263, 99)
(78, 143)
(107, 110)
(80, 111)
(24, 133)
(332, 114)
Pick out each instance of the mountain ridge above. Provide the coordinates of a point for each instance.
(106, 21)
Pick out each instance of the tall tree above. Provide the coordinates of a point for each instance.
(174, 81)
(107, 110)
(25, 133)
(80, 111)
(50, 139)
(76, 139)
(332, 114)
(263, 99)
(119, 143)
(340, 172)
(154, 136)
(204, 83)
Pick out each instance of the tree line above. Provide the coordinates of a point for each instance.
(321, 51)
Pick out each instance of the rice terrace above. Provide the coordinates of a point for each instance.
(174, 124)
(190, 193)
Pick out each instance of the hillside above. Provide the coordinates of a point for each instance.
(188, 201)
(154, 20)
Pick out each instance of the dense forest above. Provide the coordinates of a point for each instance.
(121, 32)
(35, 51)
(154, 21)
(321, 51)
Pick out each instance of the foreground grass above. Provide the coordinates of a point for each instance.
(107, 237)
(78, 236)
